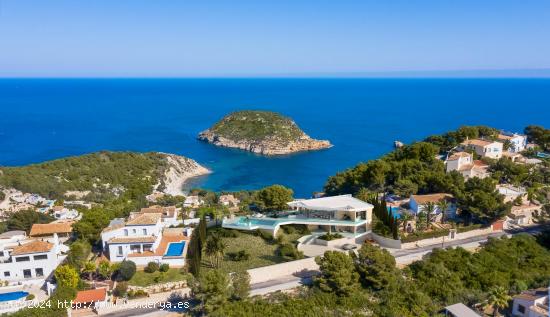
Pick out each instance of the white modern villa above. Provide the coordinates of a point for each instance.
(145, 237)
(25, 260)
(342, 213)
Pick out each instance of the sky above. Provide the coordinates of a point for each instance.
(148, 38)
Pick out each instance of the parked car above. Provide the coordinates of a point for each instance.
(349, 246)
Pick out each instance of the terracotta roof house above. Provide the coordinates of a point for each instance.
(145, 238)
(518, 142)
(169, 215)
(418, 204)
(484, 148)
(229, 200)
(29, 261)
(62, 229)
(464, 163)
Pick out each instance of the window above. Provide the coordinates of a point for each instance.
(39, 272)
(40, 257)
(7, 274)
(134, 231)
(135, 248)
(144, 232)
(120, 250)
(126, 232)
(22, 259)
(521, 309)
(27, 273)
(1, 253)
(147, 247)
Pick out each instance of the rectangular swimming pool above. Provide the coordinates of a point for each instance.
(5, 297)
(175, 249)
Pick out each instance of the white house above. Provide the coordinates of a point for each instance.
(484, 148)
(169, 214)
(418, 204)
(342, 213)
(531, 303)
(193, 201)
(28, 261)
(229, 200)
(464, 163)
(143, 238)
(518, 142)
(64, 213)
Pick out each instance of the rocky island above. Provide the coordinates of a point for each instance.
(262, 132)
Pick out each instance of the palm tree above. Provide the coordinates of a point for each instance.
(498, 299)
(429, 208)
(405, 218)
(443, 205)
(89, 268)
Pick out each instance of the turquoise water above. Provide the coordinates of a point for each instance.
(45, 119)
(175, 249)
(395, 211)
(272, 222)
(12, 296)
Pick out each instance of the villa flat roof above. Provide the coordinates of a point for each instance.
(332, 203)
(461, 310)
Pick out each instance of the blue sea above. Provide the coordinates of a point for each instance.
(44, 119)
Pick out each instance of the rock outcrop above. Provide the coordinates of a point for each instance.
(261, 132)
(178, 171)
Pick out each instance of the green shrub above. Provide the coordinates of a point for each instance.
(330, 236)
(264, 235)
(121, 289)
(30, 297)
(151, 267)
(227, 233)
(416, 236)
(126, 270)
(289, 250)
(137, 293)
(468, 228)
(164, 267)
(242, 255)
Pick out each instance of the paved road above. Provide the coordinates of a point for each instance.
(402, 257)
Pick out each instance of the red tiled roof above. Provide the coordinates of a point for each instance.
(51, 228)
(91, 295)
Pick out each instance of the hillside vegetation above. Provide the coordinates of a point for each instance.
(257, 126)
(104, 174)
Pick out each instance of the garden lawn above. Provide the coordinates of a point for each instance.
(262, 253)
(142, 278)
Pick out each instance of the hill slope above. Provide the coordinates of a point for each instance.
(102, 175)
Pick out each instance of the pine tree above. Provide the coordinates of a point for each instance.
(395, 230)
(202, 231)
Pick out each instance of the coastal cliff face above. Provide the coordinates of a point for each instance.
(261, 132)
(177, 171)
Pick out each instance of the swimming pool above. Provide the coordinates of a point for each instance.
(395, 212)
(175, 249)
(12, 296)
